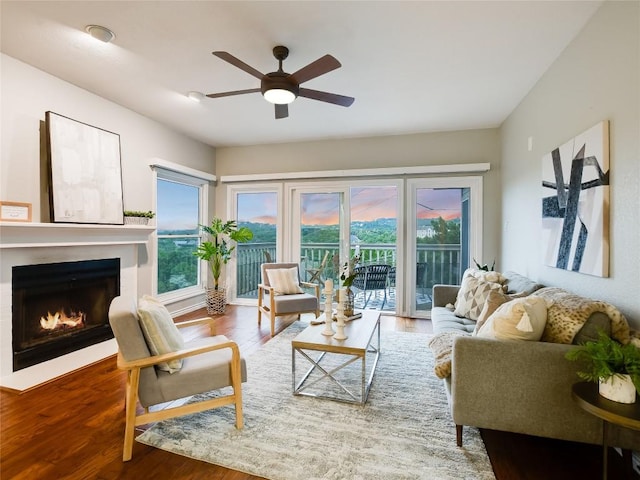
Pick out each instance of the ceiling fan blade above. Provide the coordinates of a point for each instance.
(282, 110)
(235, 92)
(315, 69)
(227, 57)
(327, 97)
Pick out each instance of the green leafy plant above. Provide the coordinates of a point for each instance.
(217, 250)
(348, 274)
(606, 357)
(485, 267)
(135, 213)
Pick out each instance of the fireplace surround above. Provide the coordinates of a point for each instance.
(61, 307)
(23, 243)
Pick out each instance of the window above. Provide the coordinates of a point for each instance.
(181, 201)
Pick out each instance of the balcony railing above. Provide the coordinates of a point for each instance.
(434, 263)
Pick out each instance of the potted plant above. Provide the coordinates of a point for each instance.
(614, 366)
(135, 217)
(217, 252)
(485, 267)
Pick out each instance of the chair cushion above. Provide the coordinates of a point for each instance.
(302, 302)
(160, 332)
(200, 373)
(284, 280)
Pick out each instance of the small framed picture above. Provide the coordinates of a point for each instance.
(15, 212)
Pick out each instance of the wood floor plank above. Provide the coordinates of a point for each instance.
(73, 428)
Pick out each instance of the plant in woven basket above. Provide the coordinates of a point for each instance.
(221, 243)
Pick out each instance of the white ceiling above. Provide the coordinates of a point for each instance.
(414, 66)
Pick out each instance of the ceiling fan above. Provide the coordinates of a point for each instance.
(281, 88)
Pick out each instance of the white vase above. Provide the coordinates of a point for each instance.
(618, 388)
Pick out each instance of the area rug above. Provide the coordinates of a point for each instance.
(403, 432)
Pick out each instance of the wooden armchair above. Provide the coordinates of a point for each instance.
(316, 273)
(208, 363)
(277, 300)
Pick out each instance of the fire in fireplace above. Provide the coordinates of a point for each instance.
(61, 307)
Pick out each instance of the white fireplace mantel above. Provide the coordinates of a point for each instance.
(31, 243)
(25, 235)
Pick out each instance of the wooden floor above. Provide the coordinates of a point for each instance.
(72, 428)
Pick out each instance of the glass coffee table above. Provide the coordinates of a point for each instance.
(329, 358)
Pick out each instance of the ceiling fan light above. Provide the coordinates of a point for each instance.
(279, 96)
(100, 33)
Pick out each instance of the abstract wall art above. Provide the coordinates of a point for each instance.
(85, 173)
(575, 203)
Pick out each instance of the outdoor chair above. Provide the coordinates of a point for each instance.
(161, 367)
(421, 281)
(316, 273)
(371, 279)
(281, 293)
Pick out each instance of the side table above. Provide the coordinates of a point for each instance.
(626, 415)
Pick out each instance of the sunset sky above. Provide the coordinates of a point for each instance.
(367, 204)
(176, 206)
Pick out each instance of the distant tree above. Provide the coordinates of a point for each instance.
(445, 232)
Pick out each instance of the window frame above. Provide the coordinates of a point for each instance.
(201, 180)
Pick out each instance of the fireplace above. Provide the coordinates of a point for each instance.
(58, 308)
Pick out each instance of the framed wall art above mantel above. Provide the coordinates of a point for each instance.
(85, 172)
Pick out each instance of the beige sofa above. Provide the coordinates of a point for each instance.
(515, 386)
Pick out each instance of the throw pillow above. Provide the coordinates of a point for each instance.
(284, 280)
(160, 332)
(519, 319)
(494, 300)
(472, 295)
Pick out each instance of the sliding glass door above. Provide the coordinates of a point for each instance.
(444, 231)
(425, 231)
(331, 223)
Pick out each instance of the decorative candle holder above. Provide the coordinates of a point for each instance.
(328, 308)
(340, 317)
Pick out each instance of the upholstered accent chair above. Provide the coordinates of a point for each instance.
(157, 375)
(281, 293)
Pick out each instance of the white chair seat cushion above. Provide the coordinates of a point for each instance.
(200, 373)
(160, 332)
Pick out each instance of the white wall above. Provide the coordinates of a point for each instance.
(27, 93)
(445, 148)
(596, 78)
